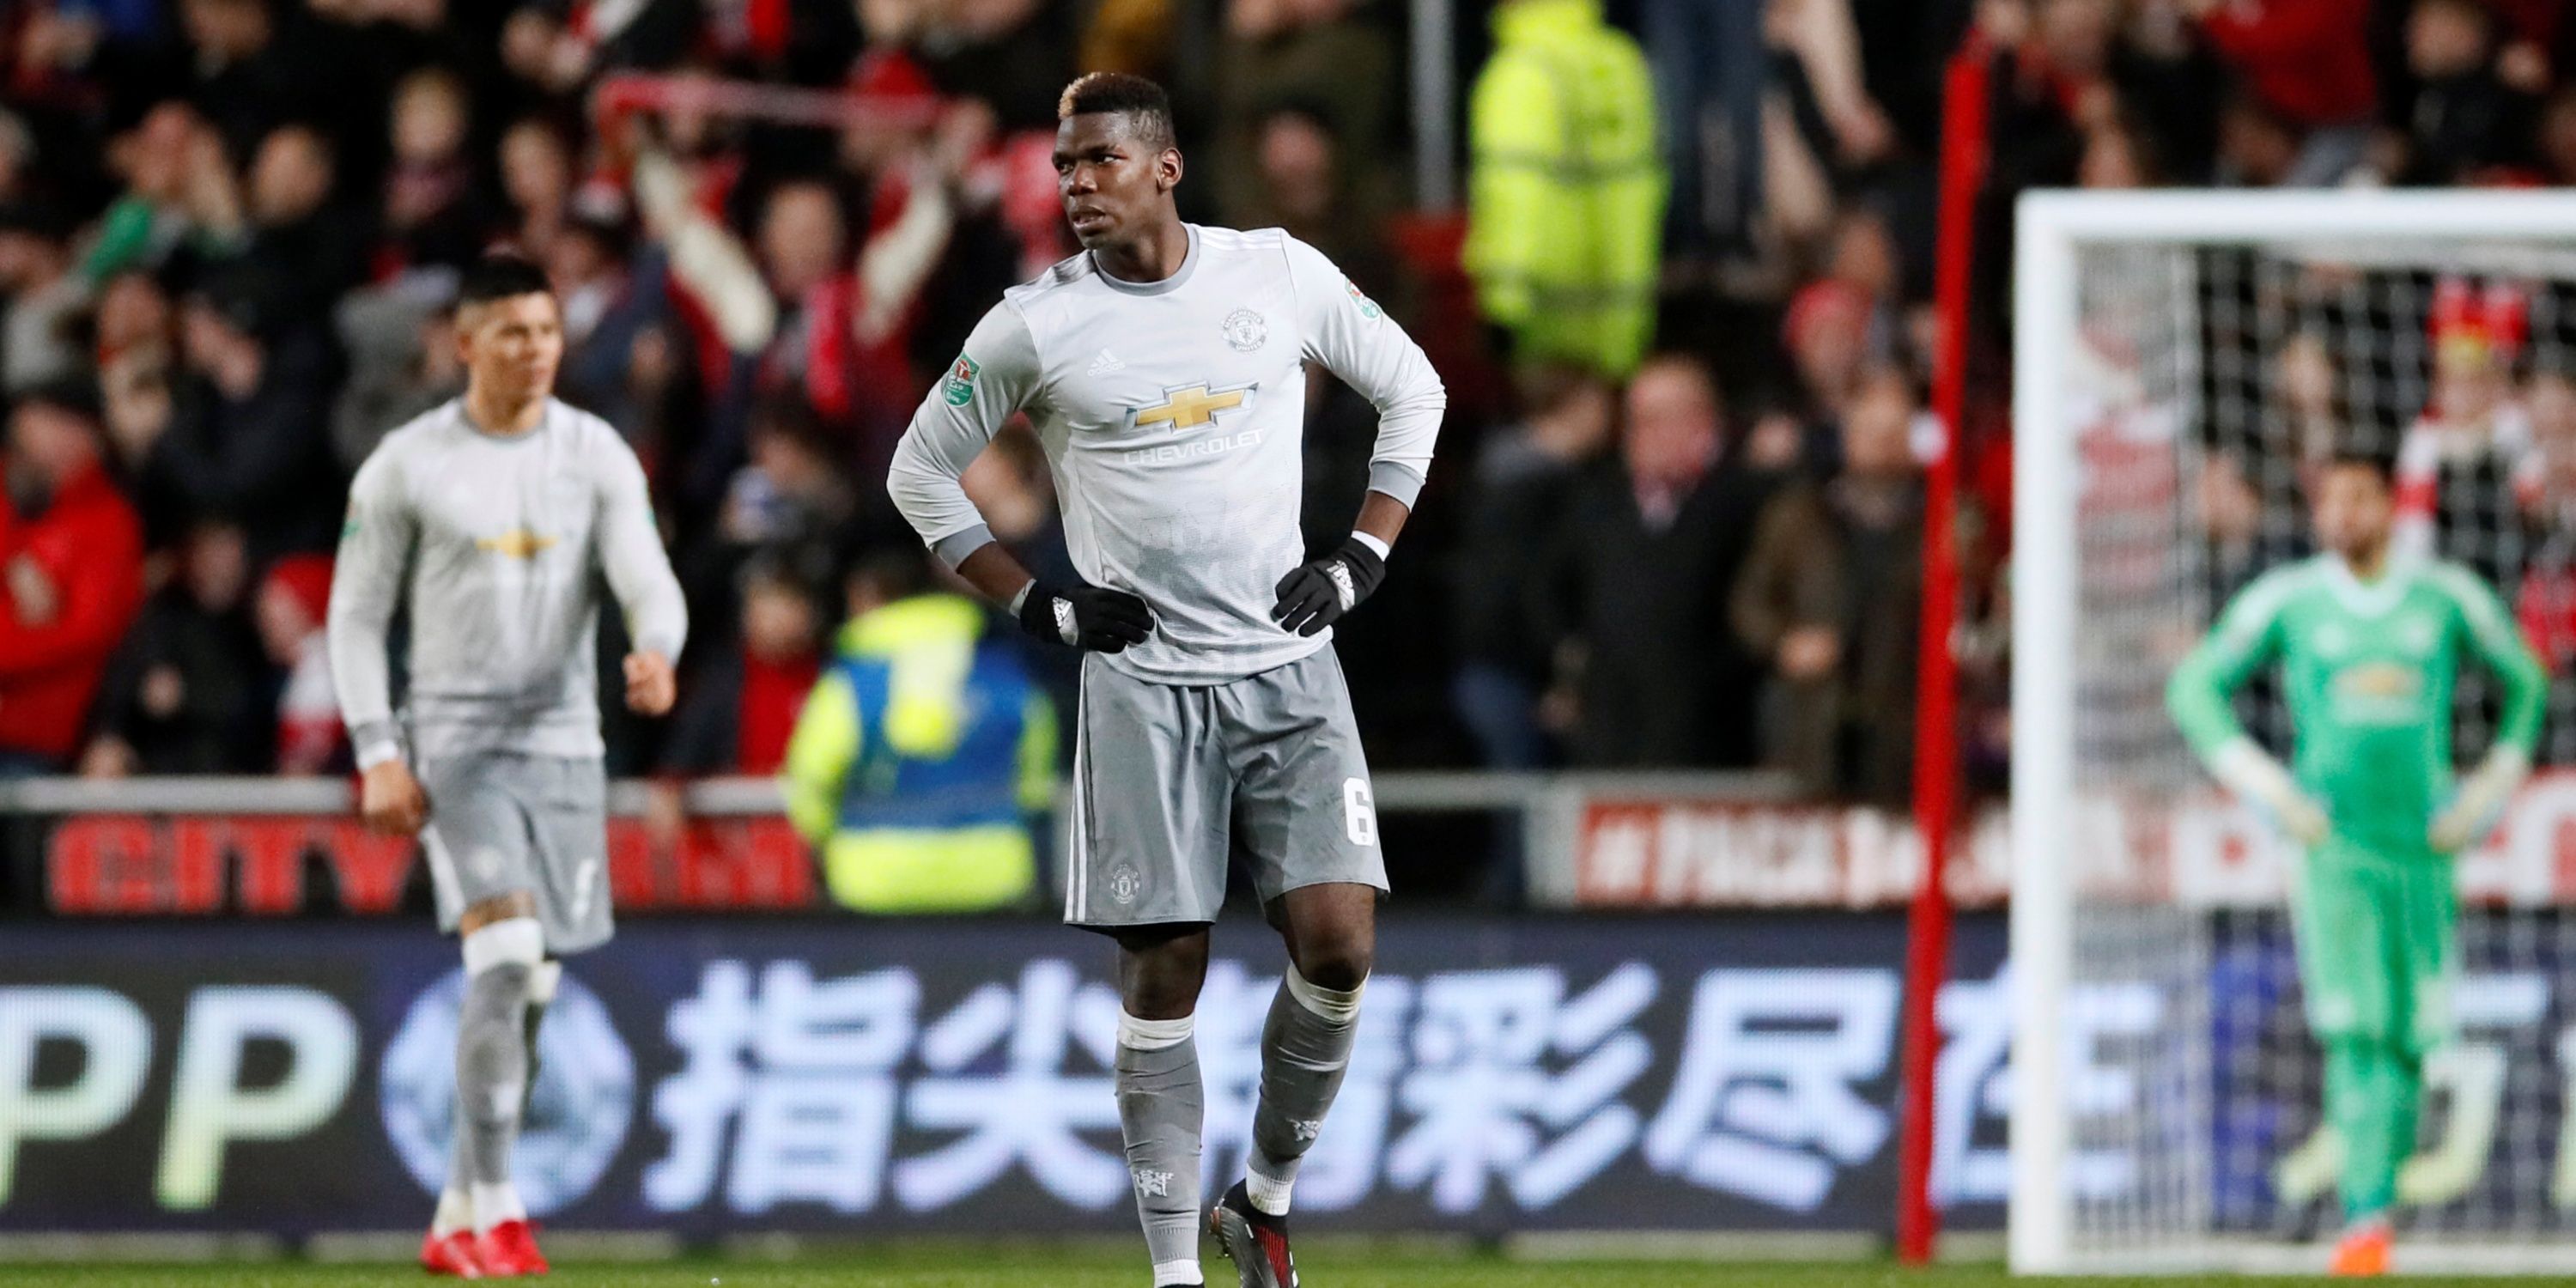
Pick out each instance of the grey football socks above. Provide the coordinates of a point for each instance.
(455, 1200)
(1305, 1050)
(492, 1066)
(1161, 1111)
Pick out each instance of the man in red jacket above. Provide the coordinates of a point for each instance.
(71, 575)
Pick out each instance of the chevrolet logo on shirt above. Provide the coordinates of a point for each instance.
(1190, 406)
(517, 543)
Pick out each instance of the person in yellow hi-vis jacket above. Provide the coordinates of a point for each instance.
(1566, 189)
(923, 754)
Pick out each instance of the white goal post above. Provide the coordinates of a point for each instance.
(2148, 1132)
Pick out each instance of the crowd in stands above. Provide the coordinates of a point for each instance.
(1677, 513)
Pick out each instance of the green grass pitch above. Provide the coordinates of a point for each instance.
(1040, 1267)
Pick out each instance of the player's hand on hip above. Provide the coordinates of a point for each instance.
(650, 687)
(1315, 595)
(1086, 616)
(2480, 801)
(2303, 818)
(390, 799)
(2253, 774)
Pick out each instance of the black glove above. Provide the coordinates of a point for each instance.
(1316, 595)
(1085, 616)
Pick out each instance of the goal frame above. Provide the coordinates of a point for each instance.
(2052, 227)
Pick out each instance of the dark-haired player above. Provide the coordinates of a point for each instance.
(495, 517)
(2369, 645)
(1165, 370)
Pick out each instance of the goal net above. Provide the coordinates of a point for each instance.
(2183, 364)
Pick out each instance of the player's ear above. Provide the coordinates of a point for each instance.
(1167, 169)
(460, 330)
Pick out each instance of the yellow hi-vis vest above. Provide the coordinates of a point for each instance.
(1566, 190)
(918, 762)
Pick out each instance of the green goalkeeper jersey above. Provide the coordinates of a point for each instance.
(2368, 669)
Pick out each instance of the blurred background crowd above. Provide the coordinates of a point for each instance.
(1683, 313)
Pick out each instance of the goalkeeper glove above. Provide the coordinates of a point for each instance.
(1084, 616)
(2481, 799)
(1315, 595)
(2250, 772)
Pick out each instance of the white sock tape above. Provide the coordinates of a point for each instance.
(1332, 1004)
(1153, 1035)
(543, 981)
(517, 940)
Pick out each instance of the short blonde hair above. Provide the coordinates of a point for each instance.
(1142, 101)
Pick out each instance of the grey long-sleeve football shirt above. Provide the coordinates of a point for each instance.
(500, 544)
(1173, 416)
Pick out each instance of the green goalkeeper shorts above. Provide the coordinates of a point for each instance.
(2377, 947)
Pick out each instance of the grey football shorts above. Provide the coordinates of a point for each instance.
(503, 822)
(1169, 779)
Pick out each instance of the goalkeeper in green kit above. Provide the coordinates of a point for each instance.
(2369, 647)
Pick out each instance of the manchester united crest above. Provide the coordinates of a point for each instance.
(1245, 330)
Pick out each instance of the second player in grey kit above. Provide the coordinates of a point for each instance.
(495, 518)
(1164, 371)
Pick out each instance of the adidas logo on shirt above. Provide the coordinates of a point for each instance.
(1107, 362)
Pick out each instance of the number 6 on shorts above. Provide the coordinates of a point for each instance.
(1359, 811)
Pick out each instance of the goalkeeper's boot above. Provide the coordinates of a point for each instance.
(450, 1254)
(2363, 1251)
(509, 1250)
(1256, 1241)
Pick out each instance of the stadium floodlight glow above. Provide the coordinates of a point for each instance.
(2164, 1091)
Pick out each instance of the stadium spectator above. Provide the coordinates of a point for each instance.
(741, 705)
(1524, 480)
(220, 161)
(537, 180)
(284, 227)
(184, 695)
(804, 255)
(2462, 122)
(42, 297)
(923, 752)
(1846, 319)
(71, 575)
(2306, 63)
(249, 73)
(1304, 182)
(249, 438)
(1639, 578)
(293, 606)
(1711, 66)
(434, 214)
(1831, 594)
(1013, 56)
(1564, 222)
(610, 303)
(1323, 55)
(792, 493)
(1816, 122)
(2472, 442)
(157, 160)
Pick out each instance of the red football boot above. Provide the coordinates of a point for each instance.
(1256, 1241)
(450, 1254)
(509, 1250)
(2363, 1252)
